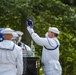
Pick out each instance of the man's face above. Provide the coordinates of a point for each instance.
(50, 34)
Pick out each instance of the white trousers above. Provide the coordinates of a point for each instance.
(52, 68)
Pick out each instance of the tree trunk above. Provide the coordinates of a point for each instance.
(26, 36)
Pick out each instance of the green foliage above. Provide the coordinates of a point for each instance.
(44, 13)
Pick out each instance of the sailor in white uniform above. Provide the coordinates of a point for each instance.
(27, 52)
(50, 51)
(11, 58)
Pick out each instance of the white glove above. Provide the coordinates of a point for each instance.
(30, 30)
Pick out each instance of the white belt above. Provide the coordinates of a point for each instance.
(51, 61)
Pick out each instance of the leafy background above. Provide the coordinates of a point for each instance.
(45, 14)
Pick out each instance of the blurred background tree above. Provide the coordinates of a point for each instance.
(44, 13)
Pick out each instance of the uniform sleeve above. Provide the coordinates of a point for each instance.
(39, 40)
(30, 52)
(20, 62)
(28, 48)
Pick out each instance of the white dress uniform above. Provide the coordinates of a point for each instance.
(27, 52)
(50, 53)
(11, 58)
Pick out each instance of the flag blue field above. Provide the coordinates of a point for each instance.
(1, 35)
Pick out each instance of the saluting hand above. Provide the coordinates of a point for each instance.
(30, 25)
(29, 22)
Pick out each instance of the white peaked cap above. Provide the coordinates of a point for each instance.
(8, 31)
(54, 30)
(15, 35)
(19, 32)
